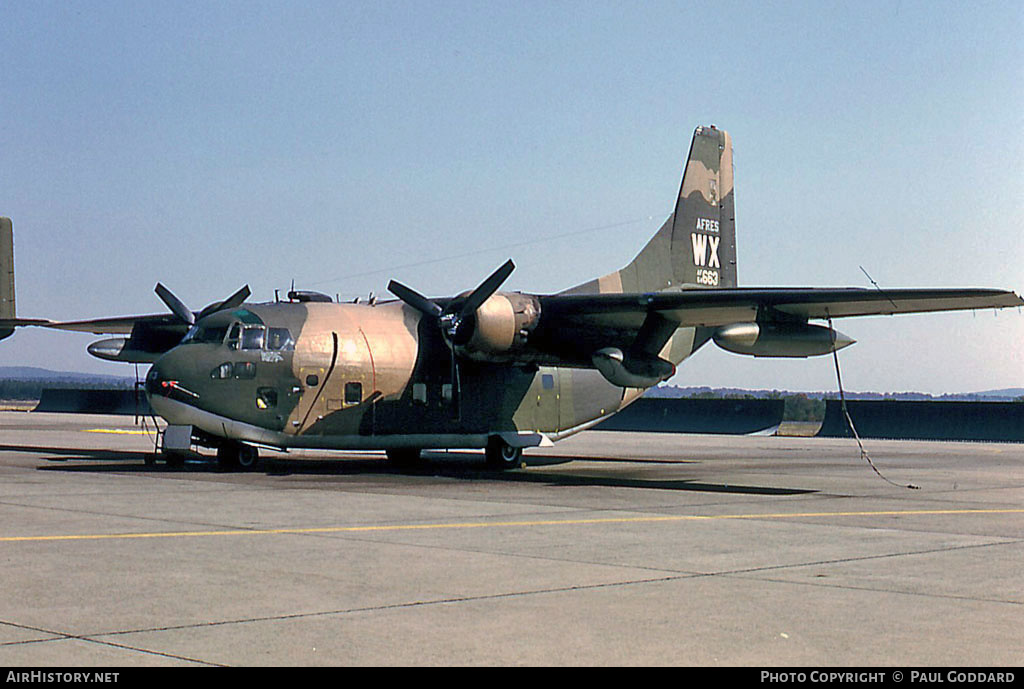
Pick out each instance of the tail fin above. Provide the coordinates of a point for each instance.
(7, 309)
(696, 247)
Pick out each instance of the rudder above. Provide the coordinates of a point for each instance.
(696, 247)
(7, 308)
(6, 269)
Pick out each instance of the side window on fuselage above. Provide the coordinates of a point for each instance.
(266, 398)
(280, 340)
(353, 393)
(240, 370)
(252, 337)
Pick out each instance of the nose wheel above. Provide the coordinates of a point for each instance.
(502, 456)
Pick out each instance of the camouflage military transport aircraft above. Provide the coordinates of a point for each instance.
(484, 369)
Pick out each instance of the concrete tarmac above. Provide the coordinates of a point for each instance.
(608, 549)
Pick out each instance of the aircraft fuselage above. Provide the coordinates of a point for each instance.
(360, 376)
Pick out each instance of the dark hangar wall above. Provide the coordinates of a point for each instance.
(984, 421)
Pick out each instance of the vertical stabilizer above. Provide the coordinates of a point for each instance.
(6, 274)
(696, 247)
(6, 269)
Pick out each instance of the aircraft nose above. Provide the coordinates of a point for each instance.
(153, 379)
(164, 380)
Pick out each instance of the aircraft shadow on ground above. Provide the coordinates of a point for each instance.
(461, 466)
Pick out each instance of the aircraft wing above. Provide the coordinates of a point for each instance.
(716, 307)
(119, 325)
(143, 338)
(148, 336)
(635, 327)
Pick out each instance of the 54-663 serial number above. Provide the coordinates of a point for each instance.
(707, 277)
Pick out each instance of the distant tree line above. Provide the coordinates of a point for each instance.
(800, 407)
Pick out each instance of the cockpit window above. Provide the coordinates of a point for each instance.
(252, 337)
(247, 316)
(233, 335)
(242, 336)
(205, 335)
(280, 339)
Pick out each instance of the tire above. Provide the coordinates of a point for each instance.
(174, 459)
(237, 457)
(248, 457)
(404, 457)
(502, 456)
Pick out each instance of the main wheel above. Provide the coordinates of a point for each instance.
(500, 455)
(404, 457)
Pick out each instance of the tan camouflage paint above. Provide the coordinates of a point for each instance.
(377, 347)
(7, 309)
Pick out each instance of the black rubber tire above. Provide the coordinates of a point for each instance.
(404, 457)
(502, 456)
(248, 457)
(174, 459)
(233, 456)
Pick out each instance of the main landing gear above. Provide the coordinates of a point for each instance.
(502, 456)
(404, 458)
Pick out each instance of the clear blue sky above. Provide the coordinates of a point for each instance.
(208, 145)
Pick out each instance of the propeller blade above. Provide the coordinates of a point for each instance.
(175, 305)
(487, 288)
(236, 299)
(414, 299)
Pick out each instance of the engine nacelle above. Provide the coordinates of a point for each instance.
(116, 349)
(780, 339)
(501, 325)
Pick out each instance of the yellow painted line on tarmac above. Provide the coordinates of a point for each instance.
(482, 525)
(119, 431)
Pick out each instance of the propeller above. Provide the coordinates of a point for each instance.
(236, 299)
(458, 310)
(179, 309)
(415, 299)
(176, 306)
